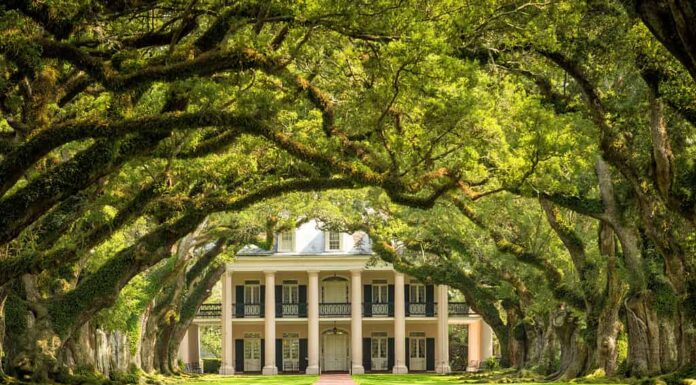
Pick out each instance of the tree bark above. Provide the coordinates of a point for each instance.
(574, 350)
(3, 298)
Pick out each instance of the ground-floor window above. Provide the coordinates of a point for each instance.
(291, 352)
(252, 352)
(379, 351)
(417, 351)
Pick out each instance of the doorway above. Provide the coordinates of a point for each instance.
(252, 352)
(417, 351)
(335, 351)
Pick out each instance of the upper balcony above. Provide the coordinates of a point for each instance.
(332, 310)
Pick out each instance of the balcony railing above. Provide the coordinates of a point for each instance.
(458, 308)
(291, 310)
(334, 310)
(248, 310)
(210, 310)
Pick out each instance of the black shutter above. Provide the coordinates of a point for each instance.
(367, 294)
(302, 306)
(279, 301)
(430, 354)
(390, 353)
(239, 294)
(367, 354)
(407, 298)
(239, 355)
(262, 300)
(263, 353)
(279, 354)
(303, 354)
(408, 356)
(429, 300)
(390, 297)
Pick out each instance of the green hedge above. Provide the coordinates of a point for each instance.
(211, 365)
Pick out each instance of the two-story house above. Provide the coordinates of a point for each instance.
(316, 304)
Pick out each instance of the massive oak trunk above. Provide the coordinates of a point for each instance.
(652, 345)
(3, 297)
(574, 349)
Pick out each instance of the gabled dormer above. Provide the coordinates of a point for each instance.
(286, 241)
(333, 241)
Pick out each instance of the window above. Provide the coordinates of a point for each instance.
(252, 346)
(333, 241)
(252, 292)
(380, 291)
(291, 346)
(417, 345)
(286, 241)
(417, 294)
(290, 292)
(379, 345)
(291, 352)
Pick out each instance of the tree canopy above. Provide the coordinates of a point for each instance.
(535, 156)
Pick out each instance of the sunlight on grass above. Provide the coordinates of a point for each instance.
(253, 380)
(434, 379)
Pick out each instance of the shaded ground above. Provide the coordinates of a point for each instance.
(365, 379)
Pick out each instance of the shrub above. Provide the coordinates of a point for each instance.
(122, 377)
(491, 363)
(211, 365)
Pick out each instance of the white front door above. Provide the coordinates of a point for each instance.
(417, 353)
(335, 352)
(252, 354)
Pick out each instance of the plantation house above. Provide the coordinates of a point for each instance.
(319, 303)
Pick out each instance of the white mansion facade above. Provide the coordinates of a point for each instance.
(315, 304)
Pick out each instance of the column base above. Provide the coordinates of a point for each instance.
(226, 370)
(472, 369)
(400, 369)
(443, 369)
(269, 371)
(312, 370)
(357, 369)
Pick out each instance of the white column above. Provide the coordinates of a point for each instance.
(313, 322)
(184, 349)
(195, 346)
(442, 342)
(356, 322)
(227, 365)
(399, 325)
(486, 341)
(269, 322)
(474, 346)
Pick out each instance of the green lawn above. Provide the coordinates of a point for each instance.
(407, 379)
(434, 379)
(364, 379)
(253, 380)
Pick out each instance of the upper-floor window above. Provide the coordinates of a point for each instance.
(286, 241)
(333, 241)
(380, 291)
(417, 294)
(252, 292)
(290, 292)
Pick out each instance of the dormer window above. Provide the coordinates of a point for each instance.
(333, 241)
(286, 241)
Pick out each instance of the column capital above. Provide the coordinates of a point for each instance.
(269, 272)
(313, 272)
(398, 273)
(357, 271)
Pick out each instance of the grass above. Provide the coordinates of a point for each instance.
(453, 379)
(366, 379)
(252, 380)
